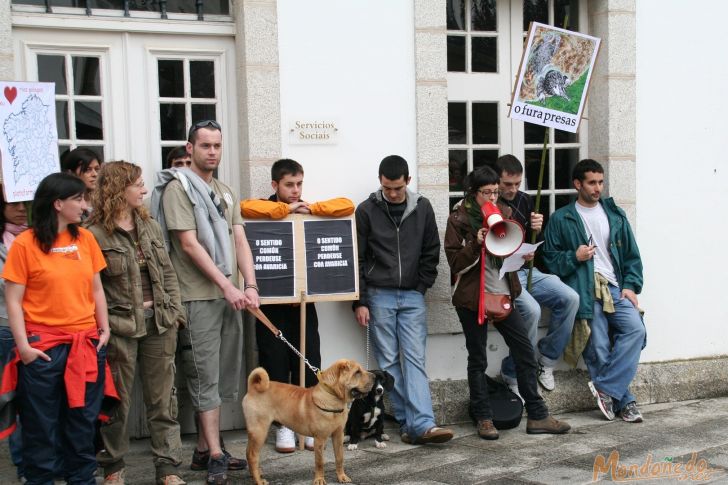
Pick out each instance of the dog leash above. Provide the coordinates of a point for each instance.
(264, 320)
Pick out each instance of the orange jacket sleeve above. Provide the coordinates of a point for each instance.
(263, 209)
(339, 207)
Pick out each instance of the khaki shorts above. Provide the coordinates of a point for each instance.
(211, 347)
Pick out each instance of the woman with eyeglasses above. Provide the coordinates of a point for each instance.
(144, 312)
(464, 238)
(57, 313)
(85, 164)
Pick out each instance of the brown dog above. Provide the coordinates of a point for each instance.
(319, 411)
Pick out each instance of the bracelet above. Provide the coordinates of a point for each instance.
(255, 287)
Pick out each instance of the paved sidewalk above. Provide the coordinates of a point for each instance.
(688, 432)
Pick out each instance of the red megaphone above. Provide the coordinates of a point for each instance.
(503, 238)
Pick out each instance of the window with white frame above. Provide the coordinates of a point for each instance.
(187, 93)
(479, 130)
(79, 99)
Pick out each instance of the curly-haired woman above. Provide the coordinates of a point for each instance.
(144, 313)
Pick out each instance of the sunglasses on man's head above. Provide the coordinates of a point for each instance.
(203, 124)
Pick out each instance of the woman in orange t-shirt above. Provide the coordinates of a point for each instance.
(57, 313)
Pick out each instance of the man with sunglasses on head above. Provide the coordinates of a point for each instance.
(208, 247)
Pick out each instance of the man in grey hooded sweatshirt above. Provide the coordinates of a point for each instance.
(399, 248)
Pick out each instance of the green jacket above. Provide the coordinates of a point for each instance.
(122, 280)
(565, 232)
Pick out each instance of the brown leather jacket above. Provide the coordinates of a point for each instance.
(463, 256)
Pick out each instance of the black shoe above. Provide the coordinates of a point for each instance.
(217, 470)
(200, 460)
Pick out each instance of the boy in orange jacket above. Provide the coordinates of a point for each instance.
(273, 355)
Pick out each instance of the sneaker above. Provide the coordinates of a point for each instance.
(604, 401)
(116, 478)
(546, 377)
(548, 425)
(514, 389)
(285, 440)
(171, 480)
(201, 459)
(308, 443)
(486, 429)
(630, 413)
(217, 470)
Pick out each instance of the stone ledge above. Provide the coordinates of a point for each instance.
(655, 383)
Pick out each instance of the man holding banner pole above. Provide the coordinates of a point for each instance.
(546, 289)
(274, 356)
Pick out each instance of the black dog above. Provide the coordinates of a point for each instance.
(366, 416)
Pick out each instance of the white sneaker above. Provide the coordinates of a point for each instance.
(546, 377)
(285, 440)
(308, 443)
(514, 388)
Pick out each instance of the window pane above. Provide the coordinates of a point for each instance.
(30, 2)
(533, 163)
(454, 200)
(456, 123)
(456, 15)
(458, 169)
(62, 119)
(203, 112)
(86, 79)
(566, 14)
(89, 125)
(52, 69)
(171, 79)
(484, 157)
(535, 11)
(533, 133)
(565, 137)
(146, 5)
(565, 161)
(484, 54)
(485, 123)
(172, 121)
(217, 7)
(62, 150)
(98, 150)
(202, 79)
(455, 53)
(482, 15)
(107, 4)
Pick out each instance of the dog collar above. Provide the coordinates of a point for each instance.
(336, 411)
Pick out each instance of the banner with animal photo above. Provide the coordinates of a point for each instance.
(553, 79)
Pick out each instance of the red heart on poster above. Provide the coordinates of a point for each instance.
(11, 93)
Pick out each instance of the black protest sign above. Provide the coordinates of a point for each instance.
(330, 262)
(271, 243)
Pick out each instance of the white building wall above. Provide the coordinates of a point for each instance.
(682, 176)
(351, 63)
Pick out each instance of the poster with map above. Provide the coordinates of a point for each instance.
(28, 137)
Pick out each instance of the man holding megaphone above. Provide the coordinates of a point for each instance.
(477, 239)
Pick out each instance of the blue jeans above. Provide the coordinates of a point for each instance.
(614, 348)
(15, 442)
(398, 325)
(549, 291)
